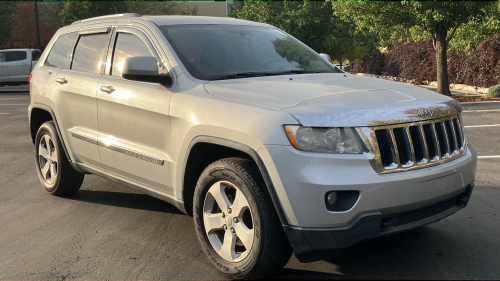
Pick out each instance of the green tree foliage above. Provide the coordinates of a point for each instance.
(81, 9)
(439, 19)
(158, 7)
(7, 11)
(311, 22)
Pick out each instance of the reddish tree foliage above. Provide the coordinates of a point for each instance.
(413, 62)
(24, 31)
(373, 63)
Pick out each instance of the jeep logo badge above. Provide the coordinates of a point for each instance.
(425, 113)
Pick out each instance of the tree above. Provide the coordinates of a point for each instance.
(81, 9)
(7, 11)
(439, 19)
(312, 23)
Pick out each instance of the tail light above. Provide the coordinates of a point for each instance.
(29, 81)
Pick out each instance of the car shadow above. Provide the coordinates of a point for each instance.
(125, 200)
(292, 274)
(420, 253)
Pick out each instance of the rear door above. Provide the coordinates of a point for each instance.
(19, 67)
(74, 89)
(4, 74)
(134, 126)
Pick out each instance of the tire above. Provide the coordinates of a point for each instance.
(55, 172)
(259, 245)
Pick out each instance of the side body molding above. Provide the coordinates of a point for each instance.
(253, 154)
(61, 139)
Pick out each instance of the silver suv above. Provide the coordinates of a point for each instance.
(264, 142)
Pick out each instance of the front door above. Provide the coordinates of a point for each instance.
(134, 126)
(75, 92)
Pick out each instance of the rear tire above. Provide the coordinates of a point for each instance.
(55, 172)
(232, 205)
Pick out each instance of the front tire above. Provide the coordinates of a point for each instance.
(236, 222)
(55, 172)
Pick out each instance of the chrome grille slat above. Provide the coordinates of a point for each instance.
(450, 132)
(417, 142)
(414, 145)
(458, 133)
(444, 145)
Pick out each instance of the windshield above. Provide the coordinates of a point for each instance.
(211, 52)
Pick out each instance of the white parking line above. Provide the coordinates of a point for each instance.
(489, 156)
(4, 113)
(478, 126)
(16, 104)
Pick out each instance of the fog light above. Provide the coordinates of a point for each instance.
(332, 198)
(341, 200)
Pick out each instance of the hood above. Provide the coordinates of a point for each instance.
(338, 99)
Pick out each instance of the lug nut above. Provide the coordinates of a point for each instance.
(225, 227)
(232, 230)
(229, 210)
(235, 219)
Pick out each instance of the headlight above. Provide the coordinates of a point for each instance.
(326, 140)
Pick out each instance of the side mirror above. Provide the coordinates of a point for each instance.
(325, 57)
(144, 69)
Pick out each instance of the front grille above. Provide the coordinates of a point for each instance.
(426, 212)
(419, 144)
(391, 221)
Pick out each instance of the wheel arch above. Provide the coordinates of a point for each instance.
(204, 150)
(40, 114)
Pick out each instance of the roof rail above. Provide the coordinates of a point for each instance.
(108, 16)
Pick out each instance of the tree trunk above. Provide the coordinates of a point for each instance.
(440, 46)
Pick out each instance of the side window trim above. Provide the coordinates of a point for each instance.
(68, 58)
(128, 30)
(93, 30)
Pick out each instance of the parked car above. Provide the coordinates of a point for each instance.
(269, 147)
(16, 65)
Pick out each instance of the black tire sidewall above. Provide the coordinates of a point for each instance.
(48, 129)
(210, 176)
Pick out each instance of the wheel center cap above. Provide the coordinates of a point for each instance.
(229, 220)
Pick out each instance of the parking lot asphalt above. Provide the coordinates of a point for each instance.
(107, 231)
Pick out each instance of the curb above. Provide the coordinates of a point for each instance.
(480, 105)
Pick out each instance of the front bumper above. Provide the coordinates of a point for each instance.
(312, 244)
(302, 179)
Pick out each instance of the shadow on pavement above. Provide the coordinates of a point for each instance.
(288, 273)
(420, 253)
(125, 200)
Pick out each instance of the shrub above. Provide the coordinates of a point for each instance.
(416, 62)
(494, 92)
(482, 66)
(412, 62)
(373, 63)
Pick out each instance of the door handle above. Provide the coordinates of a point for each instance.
(24, 64)
(61, 80)
(3, 66)
(107, 89)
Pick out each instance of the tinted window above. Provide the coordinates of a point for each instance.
(126, 46)
(35, 54)
(17, 55)
(58, 56)
(89, 53)
(3, 56)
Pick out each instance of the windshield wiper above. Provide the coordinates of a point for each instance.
(242, 75)
(260, 74)
(298, 72)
